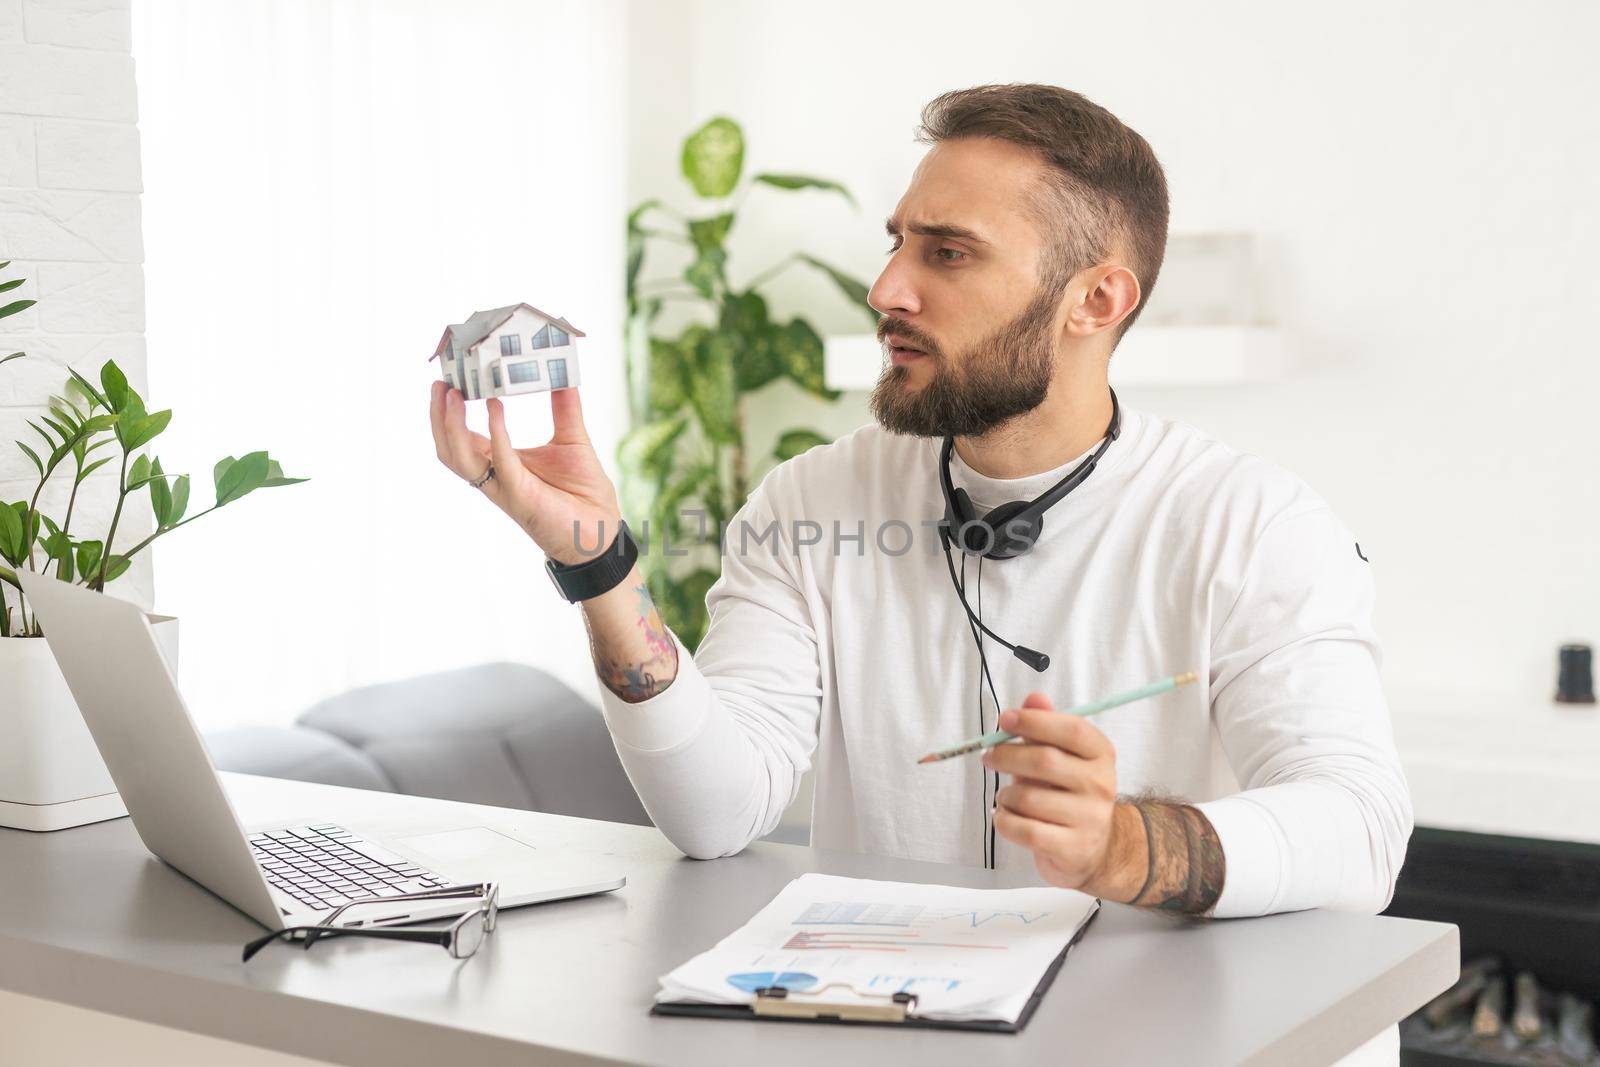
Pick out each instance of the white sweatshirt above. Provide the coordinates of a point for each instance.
(833, 645)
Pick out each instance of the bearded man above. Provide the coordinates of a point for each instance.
(1027, 242)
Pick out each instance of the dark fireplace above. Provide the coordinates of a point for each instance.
(1529, 913)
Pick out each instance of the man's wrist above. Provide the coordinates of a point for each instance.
(584, 542)
(1127, 861)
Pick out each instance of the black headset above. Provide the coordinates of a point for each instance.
(1006, 532)
(1011, 529)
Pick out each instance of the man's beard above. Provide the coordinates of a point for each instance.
(1005, 375)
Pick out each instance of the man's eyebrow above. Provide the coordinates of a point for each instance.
(892, 226)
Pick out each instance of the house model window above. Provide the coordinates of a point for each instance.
(551, 336)
(488, 348)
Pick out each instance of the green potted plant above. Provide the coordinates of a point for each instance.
(686, 449)
(51, 775)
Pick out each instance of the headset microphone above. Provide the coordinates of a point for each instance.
(1007, 531)
(1033, 658)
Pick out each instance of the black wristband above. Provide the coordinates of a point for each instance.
(587, 580)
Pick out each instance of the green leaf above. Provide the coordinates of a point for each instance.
(16, 308)
(129, 416)
(145, 429)
(180, 499)
(744, 320)
(796, 442)
(62, 430)
(801, 181)
(221, 469)
(706, 270)
(275, 476)
(12, 356)
(98, 423)
(64, 567)
(93, 395)
(855, 291)
(138, 473)
(51, 441)
(711, 232)
(800, 352)
(89, 556)
(697, 584)
(713, 388)
(116, 567)
(666, 511)
(713, 156)
(6, 287)
(31, 454)
(115, 384)
(12, 549)
(649, 448)
(57, 545)
(666, 376)
(91, 468)
(160, 494)
(245, 476)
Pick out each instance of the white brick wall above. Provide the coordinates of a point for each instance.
(69, 221)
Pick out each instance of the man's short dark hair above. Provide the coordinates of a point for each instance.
(1106, 186)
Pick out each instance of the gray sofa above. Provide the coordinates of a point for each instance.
(502, 733)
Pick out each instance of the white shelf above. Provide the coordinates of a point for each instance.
(1149, 355)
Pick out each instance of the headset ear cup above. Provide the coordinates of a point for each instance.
(1016, 529)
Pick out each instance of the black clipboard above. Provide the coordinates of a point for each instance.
(896, 1009)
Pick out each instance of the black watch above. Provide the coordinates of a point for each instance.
(587, 580)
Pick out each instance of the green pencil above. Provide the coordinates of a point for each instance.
(977, 744)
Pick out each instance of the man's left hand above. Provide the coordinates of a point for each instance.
(1061, 803)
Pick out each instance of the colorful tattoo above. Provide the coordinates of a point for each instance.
(628, 677)
(1186, 867)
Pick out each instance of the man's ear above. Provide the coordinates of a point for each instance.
(1109, 295)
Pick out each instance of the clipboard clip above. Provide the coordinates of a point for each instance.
(781, 1003)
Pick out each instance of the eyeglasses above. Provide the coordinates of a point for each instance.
(462, 938)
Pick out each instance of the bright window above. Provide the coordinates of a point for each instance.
(542, 338)
(511, 345)
(524, 372)
(558, 336)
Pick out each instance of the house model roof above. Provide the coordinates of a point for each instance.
(481, 324)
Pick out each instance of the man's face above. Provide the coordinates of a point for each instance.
(969, 326)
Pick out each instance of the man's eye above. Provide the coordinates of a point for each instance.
(955, 254)
(893, 248)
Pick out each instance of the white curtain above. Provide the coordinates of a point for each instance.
(328, 183)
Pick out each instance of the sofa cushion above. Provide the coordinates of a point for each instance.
(298, 752)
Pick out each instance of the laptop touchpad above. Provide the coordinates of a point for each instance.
(477, 846)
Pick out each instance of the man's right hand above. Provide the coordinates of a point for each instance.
(558, 492)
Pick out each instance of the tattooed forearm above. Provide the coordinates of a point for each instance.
(633, 653)
(1185, 858)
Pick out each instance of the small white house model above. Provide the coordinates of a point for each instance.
(509, 350)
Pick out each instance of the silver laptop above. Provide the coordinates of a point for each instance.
(279, 875)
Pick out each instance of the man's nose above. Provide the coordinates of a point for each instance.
(894, 292)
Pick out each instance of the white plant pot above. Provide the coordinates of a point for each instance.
(51, 773)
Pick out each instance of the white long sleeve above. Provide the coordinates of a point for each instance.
(833, 643)
(718, 755)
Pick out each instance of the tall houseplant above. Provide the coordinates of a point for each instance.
(51, 775)
(687, 449)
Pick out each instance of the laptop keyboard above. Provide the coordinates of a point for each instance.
(325, 865)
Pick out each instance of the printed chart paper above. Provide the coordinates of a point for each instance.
(967, 954)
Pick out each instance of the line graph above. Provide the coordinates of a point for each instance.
(975, 919)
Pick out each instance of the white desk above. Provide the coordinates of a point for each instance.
(87, 917)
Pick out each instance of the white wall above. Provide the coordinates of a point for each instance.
(69, 222)
(330, 183)
(1421, 180)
